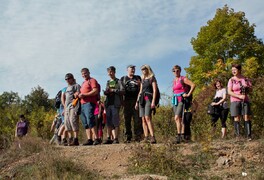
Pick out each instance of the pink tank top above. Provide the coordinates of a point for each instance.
(178, 87)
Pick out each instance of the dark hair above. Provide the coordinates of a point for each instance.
(21, 116)
(216, 81)
(237, 66)
(111, 68)
(176, 67)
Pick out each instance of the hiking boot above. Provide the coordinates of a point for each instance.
(89, 142)
(96, 142)
(146, 140)
(128, 140)
(116, 141)
(153, 140)
(75, 142)
(178, 140)
(108, 141)
(64, 142)
(70, 141)
(138, 139)
(58, 141)
(182, 138)
(187, 138)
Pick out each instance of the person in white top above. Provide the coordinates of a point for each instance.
(220, 104)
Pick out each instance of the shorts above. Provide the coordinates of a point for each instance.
(178, 109)
(71, 120)
(146, 110)
(112, 116)
(238, 108)
(87, 115)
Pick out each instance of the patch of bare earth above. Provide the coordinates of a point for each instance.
(108, 160)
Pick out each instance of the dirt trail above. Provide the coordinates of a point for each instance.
(108, 160)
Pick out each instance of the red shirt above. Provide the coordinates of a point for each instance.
(88, 86)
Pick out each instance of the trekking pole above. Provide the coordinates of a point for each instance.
(183, 109)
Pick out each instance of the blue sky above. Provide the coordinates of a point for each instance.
(41, 41)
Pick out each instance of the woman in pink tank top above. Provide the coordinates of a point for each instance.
(180, 84)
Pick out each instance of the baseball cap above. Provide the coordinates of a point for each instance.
(131, 66)
(68, 76)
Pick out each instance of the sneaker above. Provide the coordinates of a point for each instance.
(249, 138)
(153, 140)
(89, 142)
(96, 142)
(108, 141)
(115, 141)
(75, 142)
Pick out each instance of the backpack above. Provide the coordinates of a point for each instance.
(58, 100)
(157, 100)
(187, 88)
(129, 86)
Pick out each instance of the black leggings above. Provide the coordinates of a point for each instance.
(223, 117)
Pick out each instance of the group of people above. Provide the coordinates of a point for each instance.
(238, 88)
(137, 94)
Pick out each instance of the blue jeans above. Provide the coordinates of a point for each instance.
(87, 115)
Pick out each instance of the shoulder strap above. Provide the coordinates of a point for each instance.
(182, 81)
(124, 80)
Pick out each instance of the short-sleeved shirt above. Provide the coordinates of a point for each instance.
(69, 94)
(236, 88)
(112, 84)
(220, 93)
(88, 86)
(22, 127)
(64, 90)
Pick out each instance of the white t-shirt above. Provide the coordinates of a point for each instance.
(221, 93)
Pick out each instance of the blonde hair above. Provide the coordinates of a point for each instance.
(149, 74)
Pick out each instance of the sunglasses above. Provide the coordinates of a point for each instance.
(175, 70)
(67, 79)
(143, 69)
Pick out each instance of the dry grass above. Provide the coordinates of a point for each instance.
(38, 160)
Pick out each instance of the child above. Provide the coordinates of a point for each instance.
(22, 127)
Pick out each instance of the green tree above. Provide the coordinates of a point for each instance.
(36, 99)
(9, 98)
(227, 38)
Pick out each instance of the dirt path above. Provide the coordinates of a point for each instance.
(108, 160)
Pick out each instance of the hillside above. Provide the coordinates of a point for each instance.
(224, 160)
